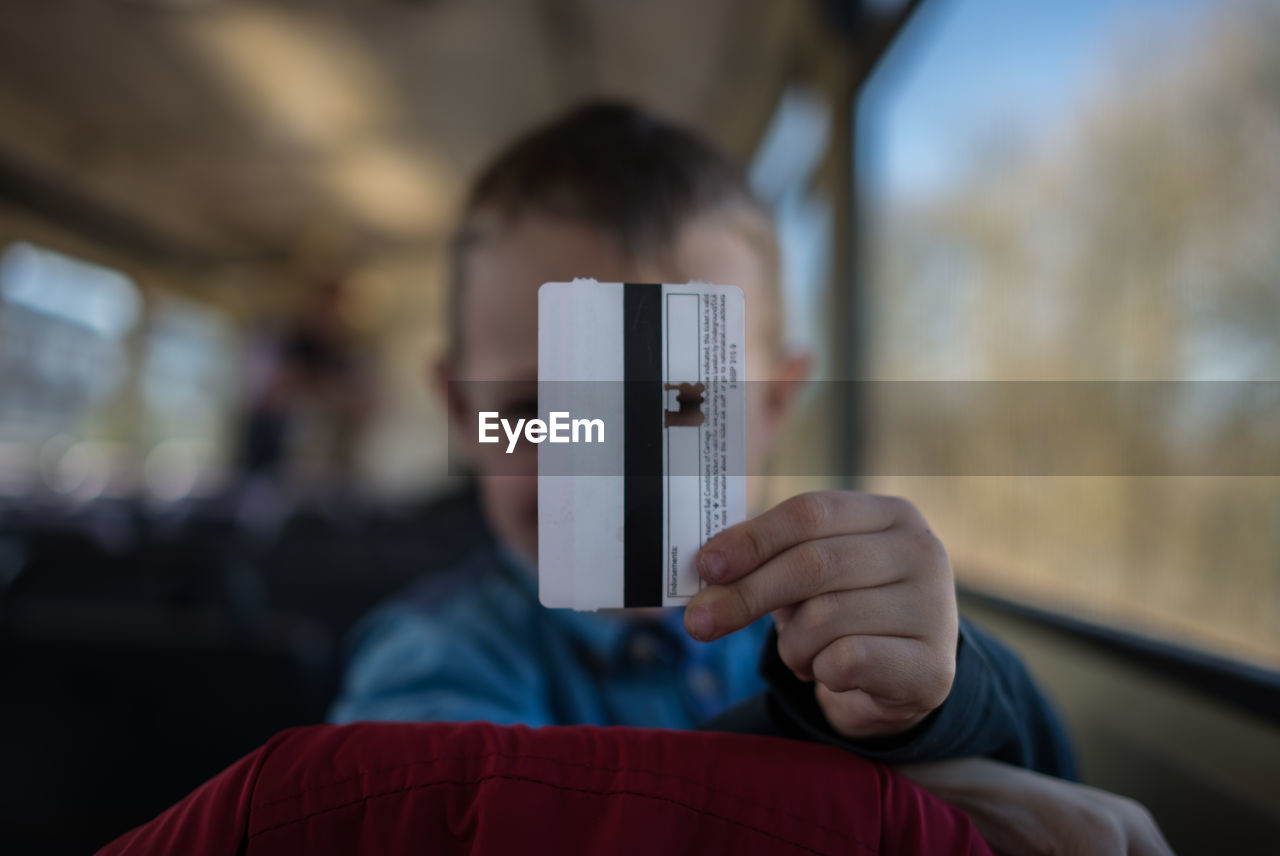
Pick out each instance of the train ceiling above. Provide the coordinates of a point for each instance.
(219, 130)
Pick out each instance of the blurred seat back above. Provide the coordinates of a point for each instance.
(111, 712)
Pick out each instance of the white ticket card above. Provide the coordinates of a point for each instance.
(642, 389)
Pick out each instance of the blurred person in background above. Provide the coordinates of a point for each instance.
(310, 391)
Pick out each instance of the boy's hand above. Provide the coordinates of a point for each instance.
(862, 595)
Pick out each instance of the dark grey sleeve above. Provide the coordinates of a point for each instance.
(994, 710)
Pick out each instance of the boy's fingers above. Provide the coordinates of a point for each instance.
(819, 620)
(741, 549)
(782, 617)
(798, 574)
(884, 667)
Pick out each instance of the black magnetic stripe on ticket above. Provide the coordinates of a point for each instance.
(642, 448)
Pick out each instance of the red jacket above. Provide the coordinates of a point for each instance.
(392, 788)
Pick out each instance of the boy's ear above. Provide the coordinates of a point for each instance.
(443, 379)
(794, 367)
(442, 375)
(782, 390)
(787, 381)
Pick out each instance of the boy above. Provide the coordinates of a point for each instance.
(865, 648)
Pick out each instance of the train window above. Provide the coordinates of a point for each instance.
(1088, 192)
(781, 174)
(64, 325)
(77, 357)
(188, 385)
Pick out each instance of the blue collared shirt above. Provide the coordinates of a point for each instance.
(473, 643)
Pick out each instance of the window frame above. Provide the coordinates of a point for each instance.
(1243, 685)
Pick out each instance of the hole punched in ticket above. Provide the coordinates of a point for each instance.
(660, 370)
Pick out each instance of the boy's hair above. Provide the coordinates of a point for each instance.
(636, 177)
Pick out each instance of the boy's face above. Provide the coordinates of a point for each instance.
(499, 335)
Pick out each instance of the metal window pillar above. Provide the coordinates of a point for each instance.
(868, 36)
